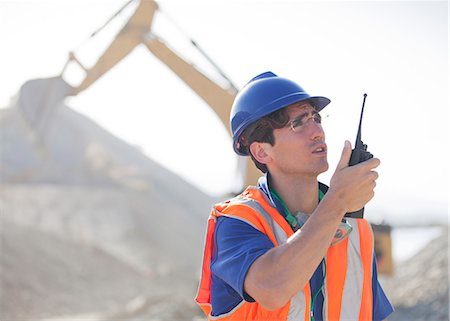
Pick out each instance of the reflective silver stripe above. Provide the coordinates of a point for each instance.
(325, 303)
(353, 286)
(280, 235)
(240, 219)
(373, 249)
(297, 305)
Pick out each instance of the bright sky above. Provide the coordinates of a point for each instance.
(397, 52)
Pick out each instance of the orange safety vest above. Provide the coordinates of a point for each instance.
(348, 284)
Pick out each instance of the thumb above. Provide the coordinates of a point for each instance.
(345, 157)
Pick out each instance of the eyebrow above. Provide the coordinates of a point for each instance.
(304, 114)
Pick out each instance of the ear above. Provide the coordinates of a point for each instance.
(260, 152)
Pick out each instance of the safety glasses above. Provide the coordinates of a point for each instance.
(300, 122)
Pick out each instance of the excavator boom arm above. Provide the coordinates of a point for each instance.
(127, 39)
(219, 99)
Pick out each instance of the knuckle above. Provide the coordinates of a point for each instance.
(375, 175)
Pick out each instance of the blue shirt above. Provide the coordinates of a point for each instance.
(237, 245)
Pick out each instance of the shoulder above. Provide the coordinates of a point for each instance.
(234, 227)
(235, 237)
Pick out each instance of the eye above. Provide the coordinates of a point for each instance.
(317, 118)
(298, 122)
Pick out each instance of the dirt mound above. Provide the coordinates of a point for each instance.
(143, 229)
(89, 222)
(43, 275)
(47, 277)
(419, 289)
(75, 179)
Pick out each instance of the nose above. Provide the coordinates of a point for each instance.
(317, 133)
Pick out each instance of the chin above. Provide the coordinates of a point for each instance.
(323, 168)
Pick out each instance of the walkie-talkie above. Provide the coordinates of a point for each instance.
(359, 155)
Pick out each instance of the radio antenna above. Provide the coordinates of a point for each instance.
(358, 142)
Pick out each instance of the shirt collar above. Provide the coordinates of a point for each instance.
(263, 186)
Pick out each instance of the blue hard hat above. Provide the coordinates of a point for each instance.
(263, 95)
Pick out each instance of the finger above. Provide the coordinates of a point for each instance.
(369, 164)
(345, 156)
(373, 163)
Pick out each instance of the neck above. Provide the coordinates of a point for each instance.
(298, 194)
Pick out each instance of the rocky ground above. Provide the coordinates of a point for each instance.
(419, 289)
(68, 251)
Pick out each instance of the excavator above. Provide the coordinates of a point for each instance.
(138, 31)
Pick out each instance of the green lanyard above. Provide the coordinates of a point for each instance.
(293, 222)
(291, 219)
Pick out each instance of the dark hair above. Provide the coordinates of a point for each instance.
(262, 132)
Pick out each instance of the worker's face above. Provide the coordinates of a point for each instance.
(300, 147)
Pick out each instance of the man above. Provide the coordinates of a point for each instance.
(283, 250)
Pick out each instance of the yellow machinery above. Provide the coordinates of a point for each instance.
(383, 248)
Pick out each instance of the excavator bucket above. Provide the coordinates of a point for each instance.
(39, 98)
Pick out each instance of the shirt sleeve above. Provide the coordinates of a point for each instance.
(382, 308)
(236, 246)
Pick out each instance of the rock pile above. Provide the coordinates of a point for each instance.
(419, 290)
(88, 222)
